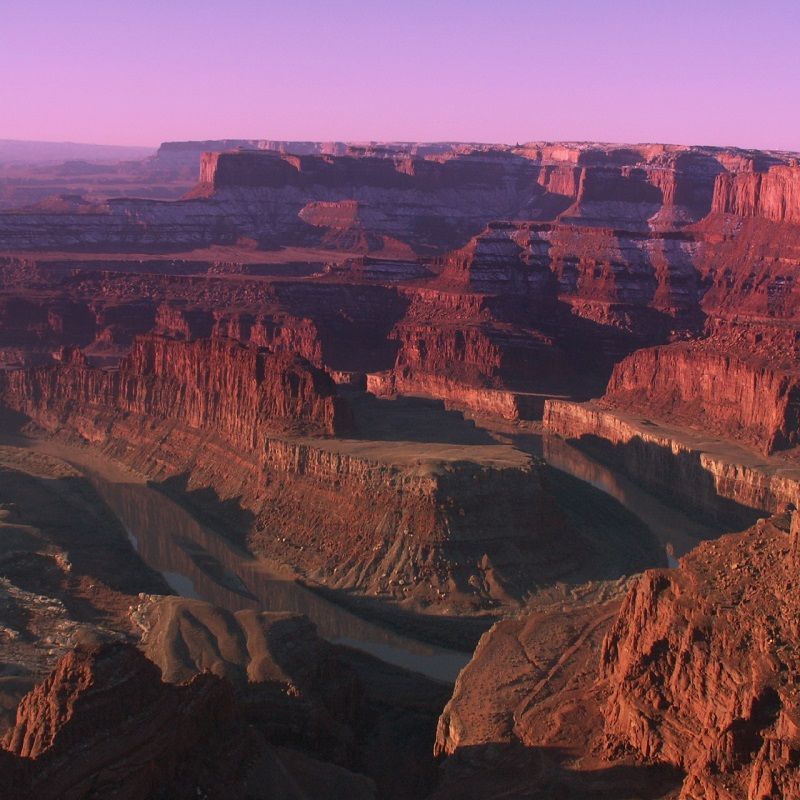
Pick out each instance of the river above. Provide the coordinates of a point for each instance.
(199, 563)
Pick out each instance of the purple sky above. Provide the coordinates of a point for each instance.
(139, 72)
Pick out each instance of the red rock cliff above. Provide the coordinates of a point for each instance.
(733, 393)
(702, 665)
(773, 195)
(240, 392)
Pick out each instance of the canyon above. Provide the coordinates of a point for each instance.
(375, 383)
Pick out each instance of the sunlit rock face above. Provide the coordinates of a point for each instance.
(702, 666)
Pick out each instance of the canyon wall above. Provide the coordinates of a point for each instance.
(734, 395)
(424, 198)
(242, 392)
(235, 431)
(702, 667)
(677, 683)
(772, 195)
(712, 478)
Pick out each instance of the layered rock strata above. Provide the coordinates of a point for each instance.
(218, 423)
(772, 195)
(241, 392)
(429, 198)
(685, 688)
(702, 665)
(734, 394)
(718, 480)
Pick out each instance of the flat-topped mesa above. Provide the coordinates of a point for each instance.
(733, 393)
(216, 422)
(702, 667)
(271, 170)
(242, 393)
(772, 195)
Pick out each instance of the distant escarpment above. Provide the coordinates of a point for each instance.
(421, 198)
(626, 280)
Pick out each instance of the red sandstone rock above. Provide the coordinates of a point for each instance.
(703, 666)
(736, 395)
(696, 670)
(526, 715)
(390, 521)
(241, 392)
(773, 195)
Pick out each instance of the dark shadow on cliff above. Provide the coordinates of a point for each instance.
(412, 419)
(11, 427)
(678, 479)
(611, 541)
(397, 726)
(501, 770)
(658, 313)
(353, 320)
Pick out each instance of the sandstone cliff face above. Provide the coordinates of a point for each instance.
(685, 688)
(733, 394)
(241, 392)
(429, 197)
(715, 479)
(279, 332)
(773, 195)
(480, 356)
(227, 417)
(526, 715)
(363, 201)
(702, 664)
(609, 276)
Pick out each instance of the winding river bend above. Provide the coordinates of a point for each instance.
(677, 532)
(197, 562)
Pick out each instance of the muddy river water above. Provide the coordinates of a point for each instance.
(197, 562)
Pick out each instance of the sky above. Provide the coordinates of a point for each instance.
(145, 71)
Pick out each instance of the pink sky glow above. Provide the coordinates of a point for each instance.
(701, 72)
